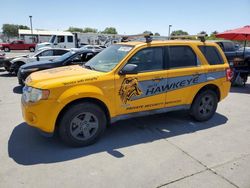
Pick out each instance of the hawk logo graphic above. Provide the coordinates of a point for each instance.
(129, 89)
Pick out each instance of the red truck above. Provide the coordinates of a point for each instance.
(17, 45)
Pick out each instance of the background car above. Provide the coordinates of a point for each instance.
(92, 47)
(73, 57)
(2, 58)
(41, 55)
(17, 45)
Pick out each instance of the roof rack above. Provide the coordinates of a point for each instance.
(202, 37)
(149, 37)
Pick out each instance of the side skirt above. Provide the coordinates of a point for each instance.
(149, 112)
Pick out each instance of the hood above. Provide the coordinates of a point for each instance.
(20, 58)
(43, 44)
(37, 64)
(62, 76)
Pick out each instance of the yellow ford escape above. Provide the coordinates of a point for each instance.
(123, 81)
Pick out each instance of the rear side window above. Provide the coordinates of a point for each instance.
(181, 56)
(59, 52)
(70, 38)
(212, 55)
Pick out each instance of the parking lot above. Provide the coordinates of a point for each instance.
(166, 150)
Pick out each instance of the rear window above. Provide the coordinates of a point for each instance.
(212, 55)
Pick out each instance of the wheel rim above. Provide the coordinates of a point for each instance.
(84, 126)
(206, 105)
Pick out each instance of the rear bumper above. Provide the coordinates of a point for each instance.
(225, 89)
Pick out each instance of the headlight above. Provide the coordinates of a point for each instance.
(31, 94)
(29, 70)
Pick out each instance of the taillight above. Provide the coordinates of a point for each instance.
(229, 74)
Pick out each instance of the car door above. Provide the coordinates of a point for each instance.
(46, 55)
(20, 45)
(14, 45)
(142, 91)
(184, 74)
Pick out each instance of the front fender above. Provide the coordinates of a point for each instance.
(81, 92)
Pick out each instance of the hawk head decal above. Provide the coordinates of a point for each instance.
(129, 88)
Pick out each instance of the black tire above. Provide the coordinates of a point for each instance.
(32, 49)
(16, 66)
(204, 105)
(74, 128)
(6, 49)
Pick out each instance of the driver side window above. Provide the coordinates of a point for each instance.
(148, 59)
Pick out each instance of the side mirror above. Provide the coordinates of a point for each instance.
(37, 58)
(129, 69)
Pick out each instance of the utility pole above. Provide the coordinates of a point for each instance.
(31, 29)
(169, 26)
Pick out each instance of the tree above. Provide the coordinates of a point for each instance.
(157, 34)
(203, 33)
(11, 30)
(109, 30)
(214, 33)
(89, 30)
(75, 29)
(23, 27)
(147, 32)
(179, 32)
(212, 36)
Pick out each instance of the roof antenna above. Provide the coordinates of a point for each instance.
(202, 37)
(148, 37)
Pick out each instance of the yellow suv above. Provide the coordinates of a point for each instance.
(123, 81)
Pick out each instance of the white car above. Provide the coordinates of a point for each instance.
(40, 55)
(92, 47)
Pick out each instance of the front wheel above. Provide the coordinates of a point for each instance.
(204, 105)
(6, 49)
(32, 49)
(82, 124)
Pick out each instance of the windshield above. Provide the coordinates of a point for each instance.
(106, 60)
(65, 56)
(52, 39)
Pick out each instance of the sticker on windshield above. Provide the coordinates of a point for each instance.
(124, 48)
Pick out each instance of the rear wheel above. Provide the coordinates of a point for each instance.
(204, 105)
(82, 124)
(6, 49)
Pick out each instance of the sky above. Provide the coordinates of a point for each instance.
(130, 16)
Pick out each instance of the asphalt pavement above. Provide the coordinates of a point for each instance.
(166, 150)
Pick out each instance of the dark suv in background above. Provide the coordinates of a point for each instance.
(238, 59)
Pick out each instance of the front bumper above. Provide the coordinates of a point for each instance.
(41, 115)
